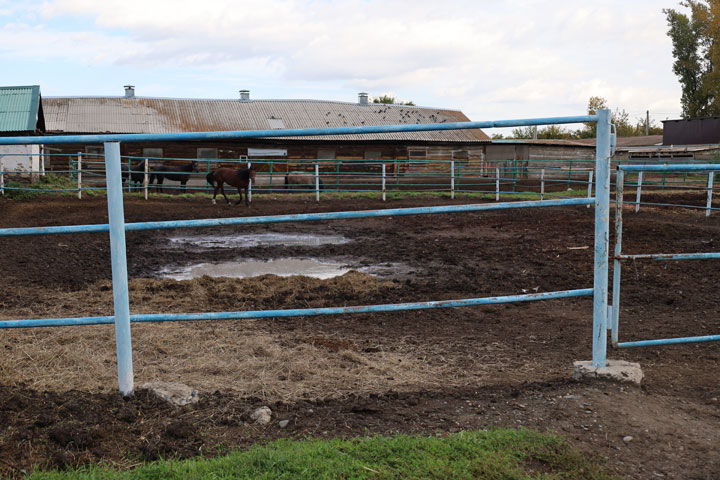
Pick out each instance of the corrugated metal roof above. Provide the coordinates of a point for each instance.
(19, 109)
(71, 115)
(545, 141)
(627, 142)
(660, 149)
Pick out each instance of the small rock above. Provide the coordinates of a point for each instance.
(283, 423)
(627, 439)
(261, 416)
(174, 393)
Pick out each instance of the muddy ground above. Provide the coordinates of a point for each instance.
(429, 372)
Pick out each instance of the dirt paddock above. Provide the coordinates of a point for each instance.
(429, 372)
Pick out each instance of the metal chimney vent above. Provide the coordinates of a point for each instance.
(363, 98)
(129, 91)
(244, 95)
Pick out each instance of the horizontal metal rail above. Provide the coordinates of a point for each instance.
(304, 217)
(669, 256)
(669, 341)
(700, 167)
(393, 307)
(291, 132)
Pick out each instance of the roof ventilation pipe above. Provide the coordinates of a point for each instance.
(244, 95)
(363, 98)
(129, 91)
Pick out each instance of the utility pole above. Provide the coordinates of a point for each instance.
(647, 122)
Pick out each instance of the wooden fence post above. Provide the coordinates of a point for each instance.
(146, 178)
(711, 176)
(383, 182)
(79, 176)
(639, 190)
(452, 179)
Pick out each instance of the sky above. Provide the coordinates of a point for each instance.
(493, 60)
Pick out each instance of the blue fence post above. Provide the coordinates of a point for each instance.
(602, 242)
(617, 265)
(116, 217)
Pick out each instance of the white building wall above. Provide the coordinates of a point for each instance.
(22, 159)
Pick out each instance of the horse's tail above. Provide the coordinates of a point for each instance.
(321, 185)
(287, 181)
(211, 178)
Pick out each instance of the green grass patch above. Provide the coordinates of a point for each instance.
(49, 183)
(493, 455)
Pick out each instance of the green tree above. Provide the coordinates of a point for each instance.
(544, 133)
(594, 104)
(619, 118)
(696, 48)
(390, 100)
(653, 129)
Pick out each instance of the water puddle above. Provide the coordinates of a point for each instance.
(283, 267)
(256, 240)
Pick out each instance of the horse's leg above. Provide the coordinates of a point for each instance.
(240, 193)
(222, 189)
(217, 187)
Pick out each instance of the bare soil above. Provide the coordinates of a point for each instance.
(428, 372)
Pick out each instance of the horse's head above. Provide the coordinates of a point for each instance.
(194, 164)
(251, 172)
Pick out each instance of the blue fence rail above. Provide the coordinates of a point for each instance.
(117, 227)
(542, 178)
(619, 257)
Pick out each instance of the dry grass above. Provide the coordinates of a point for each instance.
(236, 355)
(208, 357)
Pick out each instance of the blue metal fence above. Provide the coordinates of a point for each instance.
(620, 257)
(117, 227)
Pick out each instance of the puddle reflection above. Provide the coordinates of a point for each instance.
(256, 240)
(283, 267)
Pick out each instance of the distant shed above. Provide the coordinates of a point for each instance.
(21, 114)
(528, 157)
(692, 131)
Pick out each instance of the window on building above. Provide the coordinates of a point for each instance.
(461, 155)
(95, 151)
(326, 154)
(203, 153)
(152, 152)
(267, 152)
(373, 154)
(417, 156)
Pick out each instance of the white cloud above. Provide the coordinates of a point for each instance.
(523, 58)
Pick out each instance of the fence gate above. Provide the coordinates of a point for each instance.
(619, 257)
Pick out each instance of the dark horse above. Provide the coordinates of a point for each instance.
(136, 173)
(173, 172)
(239, 178)
(302, 180)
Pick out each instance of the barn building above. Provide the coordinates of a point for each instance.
(134, 114)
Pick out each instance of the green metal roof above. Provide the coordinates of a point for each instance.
(20, 109)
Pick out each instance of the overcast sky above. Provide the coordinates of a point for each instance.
(493, 60)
